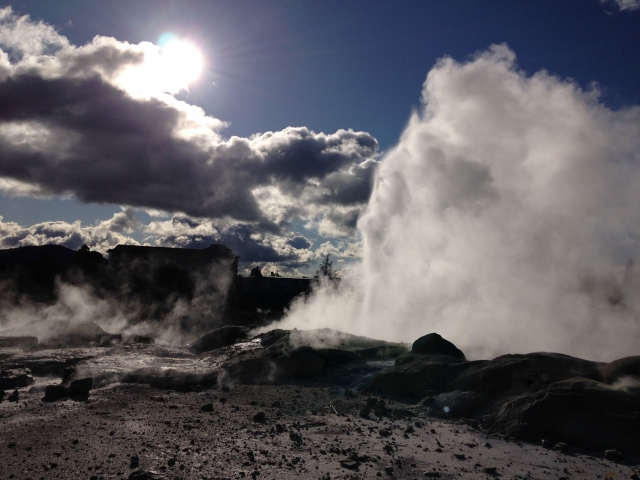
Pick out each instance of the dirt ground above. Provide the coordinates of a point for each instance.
(308, 431)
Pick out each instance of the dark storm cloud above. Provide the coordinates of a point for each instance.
(109, 147)
(90, 121)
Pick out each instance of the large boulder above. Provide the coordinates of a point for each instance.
(218, 338)
(627, 368)
(81, 387)
(434, 344)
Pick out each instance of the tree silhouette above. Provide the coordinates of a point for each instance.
(326, 268)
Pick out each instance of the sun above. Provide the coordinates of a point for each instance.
(169, 67)
(180, 62)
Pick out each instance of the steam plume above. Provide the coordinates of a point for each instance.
(503, 220)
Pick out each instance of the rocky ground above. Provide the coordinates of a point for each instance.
(300, 405)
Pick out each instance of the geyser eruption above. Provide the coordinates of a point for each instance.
(502, 220)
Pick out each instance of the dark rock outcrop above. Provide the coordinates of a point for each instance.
(15, 377)
(218, 338)
(578, 412)
(305, 354)
(434, 344)
(419, 375)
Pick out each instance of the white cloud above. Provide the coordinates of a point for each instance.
(500, 218)
(624, 4)
(101, 237)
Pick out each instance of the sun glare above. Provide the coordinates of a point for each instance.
(181, 62)
(169, 67)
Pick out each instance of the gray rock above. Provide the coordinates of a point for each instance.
(146, 475)
(15, 395)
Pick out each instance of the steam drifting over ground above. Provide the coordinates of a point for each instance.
(503, 220)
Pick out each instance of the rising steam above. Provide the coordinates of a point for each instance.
(502, 220)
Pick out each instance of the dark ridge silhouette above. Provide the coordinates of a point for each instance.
(151, 280)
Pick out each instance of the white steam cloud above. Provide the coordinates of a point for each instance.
(502, 220)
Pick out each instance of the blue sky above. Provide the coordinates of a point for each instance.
(325, 66)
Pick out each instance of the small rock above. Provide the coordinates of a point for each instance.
(490, 470)
(349, 464)
(459, 456)
(55, 392)
(365, 412)
(135, 462)
(614, 455)
(146, 475)
(385, 432)
(409, 429)
(260, 417)
(562, 447)
(14, 396)
(207, 407)
(171, 462)
(295, 437)
(381, 409)
(280, 428)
